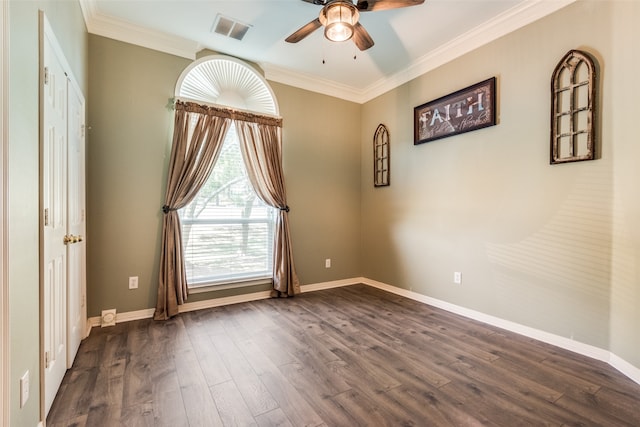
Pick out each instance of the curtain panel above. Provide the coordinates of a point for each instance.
(261, 147)
(197, 139)
(199, 133)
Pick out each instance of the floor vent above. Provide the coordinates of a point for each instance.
(230, 27)
(108, 317)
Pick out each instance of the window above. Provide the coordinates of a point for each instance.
(227, 231)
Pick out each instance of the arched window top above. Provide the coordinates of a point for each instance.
(227, 81)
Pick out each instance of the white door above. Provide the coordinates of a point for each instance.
(54, 220)
(76, 225)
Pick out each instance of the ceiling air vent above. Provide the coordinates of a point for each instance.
(230, 27)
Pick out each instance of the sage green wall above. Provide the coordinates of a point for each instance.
(624, 86)
(321, 137)
(67, 22)
(552, 247)
(130, 140)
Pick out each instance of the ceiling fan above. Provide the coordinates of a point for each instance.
(340, 19)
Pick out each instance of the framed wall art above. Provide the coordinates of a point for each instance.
(468, 109)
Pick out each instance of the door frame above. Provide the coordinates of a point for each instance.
(4, 226)
(46, 32)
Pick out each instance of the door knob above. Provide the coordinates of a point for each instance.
(70, 238)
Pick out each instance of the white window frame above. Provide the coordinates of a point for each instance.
(255, 96)
(232, 281)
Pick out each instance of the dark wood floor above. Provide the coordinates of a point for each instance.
(352, 356)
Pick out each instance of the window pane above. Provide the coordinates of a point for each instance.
(227, 231)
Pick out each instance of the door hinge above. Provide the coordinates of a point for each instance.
(46, 75)
(82, 131)
(46, 217)
(47, 359)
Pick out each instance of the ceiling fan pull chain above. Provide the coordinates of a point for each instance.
(324, 51)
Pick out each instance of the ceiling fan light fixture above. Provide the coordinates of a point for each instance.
(338, 19)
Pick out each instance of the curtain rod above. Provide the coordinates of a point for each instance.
(172, 103)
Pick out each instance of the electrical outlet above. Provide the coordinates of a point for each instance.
(24, 389)
(327, 263)
(133, 282)
(457, 277)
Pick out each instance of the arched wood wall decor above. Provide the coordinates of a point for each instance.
(381, 154)
(573, 96)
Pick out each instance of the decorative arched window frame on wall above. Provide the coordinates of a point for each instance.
(381, 157)
(573, 109)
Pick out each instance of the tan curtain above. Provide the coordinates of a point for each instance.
(198, 135)
(261, 146)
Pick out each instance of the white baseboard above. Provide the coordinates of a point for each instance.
(219, 302)
(593, 352)
(329, 285)
(625, 367)
(616, 362)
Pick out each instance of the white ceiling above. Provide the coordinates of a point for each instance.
(408, 41)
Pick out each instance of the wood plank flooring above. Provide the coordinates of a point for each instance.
(351, 356)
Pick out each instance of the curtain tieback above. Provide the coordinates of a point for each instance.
(286, 209)
(166, 209)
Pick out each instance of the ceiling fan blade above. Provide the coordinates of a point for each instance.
(361, 37)
(373, 5)
(304, 31)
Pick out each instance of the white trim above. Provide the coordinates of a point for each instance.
(127, 316)
(116, 29)
(517, 17)
(625, 367)
(614, 361)
(330, 285)
(4, 220)
(511, 20)
(184, 308)
(219, 302)
(211, 287)
(311, 83)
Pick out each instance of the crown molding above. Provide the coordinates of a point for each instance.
(278, 74)
(511, 20)
(505, 23)
(123, 31)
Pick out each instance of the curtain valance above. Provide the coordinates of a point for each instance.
(228, 113)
